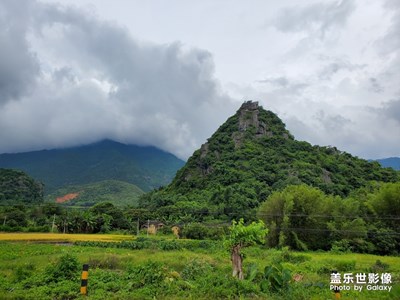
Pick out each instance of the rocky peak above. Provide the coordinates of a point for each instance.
(248, 115)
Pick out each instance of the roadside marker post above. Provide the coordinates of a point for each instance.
(337, 292)
(336, 289)
(84, 282)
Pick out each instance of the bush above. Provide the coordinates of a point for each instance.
(198, 231)
(169, 245)
(110, 262)
(345, 265)
(287, 256)
(23, 272)
(43, 228)
(67, 268)
(150, 273)
(379, 267)
(195, 231)
(196, 268)
(339, 247)
(276, 278)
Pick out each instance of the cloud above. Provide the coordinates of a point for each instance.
(391, 110)
(19, 67)
(276, 81)
(79, 79)
(331, 66)
(317, 17)
(358, 130)
(390, 42)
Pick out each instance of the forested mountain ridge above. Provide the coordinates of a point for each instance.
(146, 167)
(251, 155)
(390, 162)
(17, 187)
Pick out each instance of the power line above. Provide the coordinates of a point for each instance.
(205, 211)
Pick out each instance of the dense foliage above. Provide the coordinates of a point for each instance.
(18, 187)
(103, 217)
(303, 218)
(250, 156)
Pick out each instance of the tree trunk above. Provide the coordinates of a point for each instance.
(237, 262)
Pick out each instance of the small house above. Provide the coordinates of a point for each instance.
(152, 226)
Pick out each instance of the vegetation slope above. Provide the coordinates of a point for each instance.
(18, 187)
(146, 167)
(252, 155)
(117, 192)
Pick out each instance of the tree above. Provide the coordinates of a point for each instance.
(243, 236)
(297, 217)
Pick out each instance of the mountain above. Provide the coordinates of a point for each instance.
(18, 187)
(117, 192)
(248, 157)
(391, 162)
(146, 167)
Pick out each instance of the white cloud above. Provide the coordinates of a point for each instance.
(96, 81)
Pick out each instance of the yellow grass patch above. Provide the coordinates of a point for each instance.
(62, 237)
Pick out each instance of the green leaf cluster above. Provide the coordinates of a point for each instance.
(246, 235)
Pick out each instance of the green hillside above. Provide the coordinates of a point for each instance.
(18, 187)
(117, 192)
(250, 156)
(145, 167)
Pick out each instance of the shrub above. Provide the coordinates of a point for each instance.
(288, 256)
(345, 265)
(67, 268)
(169, 245)
(379, 267)
(150, 273)
(276, 278)
(195, 268)
(198, 231)
(23, 272)
(110, 262)
(342, 246)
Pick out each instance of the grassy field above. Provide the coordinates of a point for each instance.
(30, 270)
(62, 237)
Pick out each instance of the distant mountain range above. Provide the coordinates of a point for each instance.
(391, 162)
(145, 167)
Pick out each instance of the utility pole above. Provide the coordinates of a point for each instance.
(5, 218)
(52, 225)
(137, 227)
(148, 226)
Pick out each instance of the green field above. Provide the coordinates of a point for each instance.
(176, 269)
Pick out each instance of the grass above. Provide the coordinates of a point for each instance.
(63, 237)
(110, 275)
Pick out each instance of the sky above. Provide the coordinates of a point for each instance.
(169, 73)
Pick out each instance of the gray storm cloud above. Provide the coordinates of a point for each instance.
(328, 68)
(19, 66)
(68, 78)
